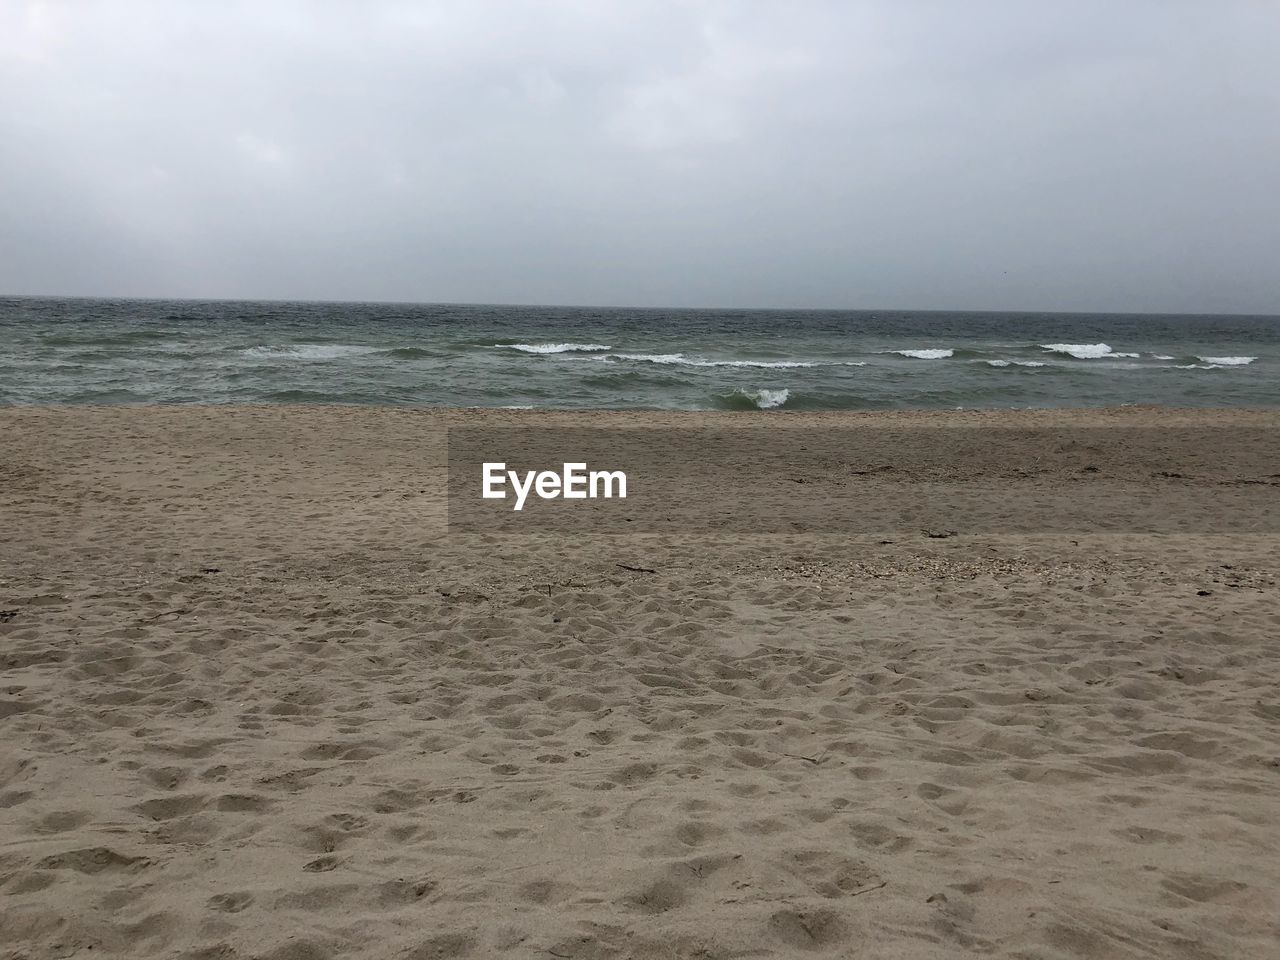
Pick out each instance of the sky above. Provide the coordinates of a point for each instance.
(908, 154)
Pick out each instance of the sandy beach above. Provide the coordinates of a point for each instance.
(257, 701)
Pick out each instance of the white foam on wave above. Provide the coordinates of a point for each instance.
(928, 354)
(680, 359)
(1162, 356)
(1016, 363)
(767, 399)
(646, 357)
(1227, 361)
(1084, 351)
(557, 347)
(1199, 366)
(311, 351)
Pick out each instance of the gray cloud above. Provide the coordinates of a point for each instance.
(1001, 155)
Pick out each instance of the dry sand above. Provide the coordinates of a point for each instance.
(254, 702)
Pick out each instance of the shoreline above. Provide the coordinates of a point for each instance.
(1110, 413)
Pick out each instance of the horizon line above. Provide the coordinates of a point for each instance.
(603, 306)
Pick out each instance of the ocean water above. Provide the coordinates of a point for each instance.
(153, 351)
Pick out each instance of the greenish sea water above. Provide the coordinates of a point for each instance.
(153, 351)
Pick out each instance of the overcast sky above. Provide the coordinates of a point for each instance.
(1057, 154)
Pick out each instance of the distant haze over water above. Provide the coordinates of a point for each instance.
(152, 351)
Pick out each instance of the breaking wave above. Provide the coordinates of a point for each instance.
(556, 347)
(680, 359)
(926, 354)
(753, 399)
(1088, 351)
(1227, 361)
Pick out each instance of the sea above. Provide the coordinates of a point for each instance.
(105, 351)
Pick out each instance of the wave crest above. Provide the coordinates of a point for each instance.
(680, 359)
(764, 399)
(1087, 351)
(1227, 361)
(545, 348)
(925, 354)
